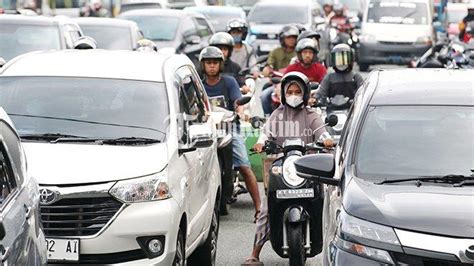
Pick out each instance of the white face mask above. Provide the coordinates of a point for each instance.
(294, 100)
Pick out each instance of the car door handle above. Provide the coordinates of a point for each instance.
(5, 254)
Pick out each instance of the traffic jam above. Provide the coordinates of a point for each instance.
(237, 132)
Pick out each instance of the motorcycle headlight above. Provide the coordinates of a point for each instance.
(148, 188)
(289, 172)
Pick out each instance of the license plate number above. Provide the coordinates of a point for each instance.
(295, 193)
(60, 249)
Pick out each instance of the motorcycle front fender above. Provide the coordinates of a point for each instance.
(296, 215)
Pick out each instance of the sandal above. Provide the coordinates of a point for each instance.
(257, 213)
(252, 261)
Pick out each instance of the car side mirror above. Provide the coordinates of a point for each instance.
(2, 231)
(192, 39)
(85, 43)
(199, 136)
(317, 167)
(331, 120)
(2, 62)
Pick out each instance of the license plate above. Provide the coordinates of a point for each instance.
(295, 193)
(267, 47)
(60, 249)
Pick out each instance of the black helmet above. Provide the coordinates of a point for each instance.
(222, 39)
(287, 31)
(342, 58)
(309, 34)
(239, 24)
(211, 52)
(145, 45)
(301, 79)
(306, 43)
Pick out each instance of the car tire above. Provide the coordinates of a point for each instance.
(364, 67)
(206, 254)
(180, 256)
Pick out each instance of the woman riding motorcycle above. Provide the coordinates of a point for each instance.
(292, 119)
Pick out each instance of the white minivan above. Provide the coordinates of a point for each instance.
(123, 149)
(395, 31)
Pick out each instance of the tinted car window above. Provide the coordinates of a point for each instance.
(203, 28)
(190, 97)
(410, 141)
(397, 13)
(7, 180)
(17, 39)
(189, 28)
(156, 28)
(112, 38)
(88, 107)
(279, 14)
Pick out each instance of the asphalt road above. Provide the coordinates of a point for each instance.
(237, 229)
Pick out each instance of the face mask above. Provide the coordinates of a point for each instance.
(294, 100)
(237, 39)
(342, 68)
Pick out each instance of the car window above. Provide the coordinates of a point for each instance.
(190, 98)
(203, 28)
(15, 152)
(7, 179)
(168, 26)
(391, 12)
(111, 38)
(189, 28)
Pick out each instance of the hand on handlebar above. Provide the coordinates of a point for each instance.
(258, 148)
(329, 143)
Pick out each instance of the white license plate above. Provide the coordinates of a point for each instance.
(295, 193)
(268, 47)
(61, 249)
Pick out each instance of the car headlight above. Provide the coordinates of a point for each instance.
(148, 188)
(289, 172)
(367, 38)
(424, 40)
(352, 229)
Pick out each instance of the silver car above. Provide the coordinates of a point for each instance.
(22, 240)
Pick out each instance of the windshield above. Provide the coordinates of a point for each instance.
(17, 39)
(156, 28)
(279, 14)
(219, 20)
(397, 13)
(111, 38)
(406, 141)
(456, 16)
(87, 107)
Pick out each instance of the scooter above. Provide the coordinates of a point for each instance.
(225, 121)
(294, 204)
(339, 106)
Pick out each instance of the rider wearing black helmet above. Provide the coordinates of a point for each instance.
(344, 81)
(291, 120)
(223, 91)
(280, 57)
(243, 53)
(307, 53)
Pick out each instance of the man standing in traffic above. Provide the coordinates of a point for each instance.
(243, 54)
(307, 53)
(223, 90)
(280, 57)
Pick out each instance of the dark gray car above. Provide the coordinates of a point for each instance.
(400, 184)
(177, 30)
(22, 240)
(23, 34)
(111, 33)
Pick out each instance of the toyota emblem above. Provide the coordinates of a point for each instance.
(47, 196)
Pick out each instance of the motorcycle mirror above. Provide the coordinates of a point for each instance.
(331, 120)
(262, 59)
(257, 122)
(243, 101)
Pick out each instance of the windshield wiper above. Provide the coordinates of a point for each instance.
(130, 140)
(50, 136)
(451, 179)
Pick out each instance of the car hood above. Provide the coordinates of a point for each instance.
(396, 32)
(60, 164)
(434, 209)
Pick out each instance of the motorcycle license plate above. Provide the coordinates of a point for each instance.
(295, 193)
(62, 250)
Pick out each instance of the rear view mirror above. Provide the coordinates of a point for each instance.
(262, 59)
(317, 167)
(243, 101)
(257, 122)
(200, 136)
(331, 120)
(2, 62)
(84, 43)
(193, 39)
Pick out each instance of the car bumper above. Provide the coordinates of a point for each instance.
(389, 53)
(117, 243)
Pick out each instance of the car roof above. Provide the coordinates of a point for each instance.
(158, 12)
(116, 22)
(147, 66)
(424, 87)
(28, 20)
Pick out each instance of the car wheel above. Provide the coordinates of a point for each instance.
(180, 256)
(206, 253)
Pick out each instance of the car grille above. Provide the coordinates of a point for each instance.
(405, 259)
(78, 216)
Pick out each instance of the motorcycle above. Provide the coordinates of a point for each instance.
(339, 106)
(446, 54)
(231, 186)
(294, 204)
